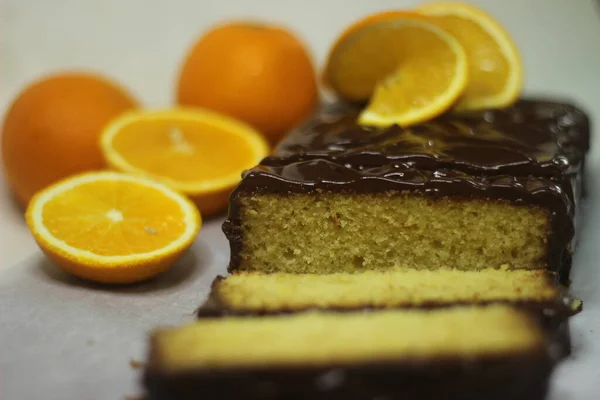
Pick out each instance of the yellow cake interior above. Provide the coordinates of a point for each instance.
(341, 338)
(341, 232)
(256, 291)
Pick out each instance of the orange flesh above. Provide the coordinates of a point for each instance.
(413, 55)
(488, 69)
(186, 151)
(114, 218)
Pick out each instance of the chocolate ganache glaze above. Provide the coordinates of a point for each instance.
(532, 137)
(528, 154)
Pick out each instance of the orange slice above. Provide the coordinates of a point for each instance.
(495, 70)
(410, 69)
(112, 227)
(197, 152)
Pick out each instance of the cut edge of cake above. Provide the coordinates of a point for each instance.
(346, 220)
(383, 353)
(257, 293)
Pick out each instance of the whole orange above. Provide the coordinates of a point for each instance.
(260, 74)
(52, 129)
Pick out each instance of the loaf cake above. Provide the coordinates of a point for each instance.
(257, 293)
(410, 354)
(495, 189)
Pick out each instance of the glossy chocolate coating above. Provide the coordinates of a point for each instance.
(522, 376)
(532, 137)
(528, 154)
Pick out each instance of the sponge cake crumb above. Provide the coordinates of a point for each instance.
(317, 338)
(344, 232)
(260, 292)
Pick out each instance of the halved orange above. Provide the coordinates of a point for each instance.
(197, 152)
(112, 227)
(410, 68)
(495, 69)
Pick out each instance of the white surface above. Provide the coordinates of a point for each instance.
(61, 339)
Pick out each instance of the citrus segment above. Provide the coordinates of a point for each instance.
(495, 70)
(411, 69)
(112, 227)
(199, 153)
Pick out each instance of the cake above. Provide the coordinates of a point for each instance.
(257, 293)
(392, 263)
(495, 189)
(406, 354)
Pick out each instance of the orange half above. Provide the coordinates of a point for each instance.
(111, 227)
(409, 69)
(495, 67)
(197, 152)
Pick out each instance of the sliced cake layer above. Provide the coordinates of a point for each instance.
(258, 293)
(322, 217)
(387, 354)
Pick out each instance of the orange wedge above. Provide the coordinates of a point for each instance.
(410, 68)
(199, 153)
(111, 227)
(495, 69)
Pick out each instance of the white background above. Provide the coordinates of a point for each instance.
(141, 43)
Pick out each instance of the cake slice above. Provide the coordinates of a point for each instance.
(256, 293)
(493, 189)
(466, 353)
(322, 217)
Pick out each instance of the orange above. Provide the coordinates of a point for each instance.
(197, 152)
(111, 227)
(51, 130)
(408, 68)
(258, 73)
(495, 68)
(356, 26)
